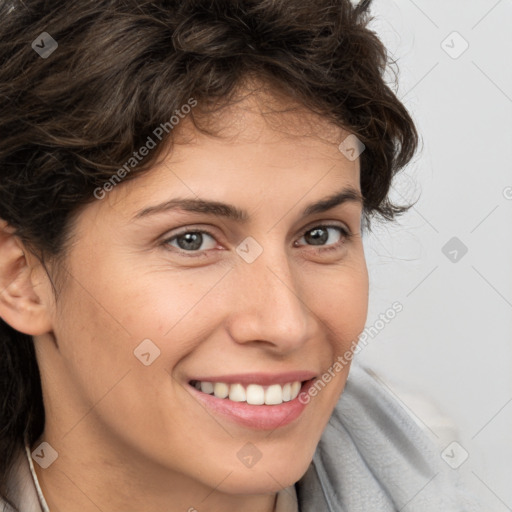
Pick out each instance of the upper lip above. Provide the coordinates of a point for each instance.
(263, 379)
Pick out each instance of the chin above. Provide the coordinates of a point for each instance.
(267, 483)
(266, 478)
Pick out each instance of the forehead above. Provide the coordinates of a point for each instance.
(261, 146)
(258, 113)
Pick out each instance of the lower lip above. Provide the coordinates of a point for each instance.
(261, 417)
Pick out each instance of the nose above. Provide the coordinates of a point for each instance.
(269, 305)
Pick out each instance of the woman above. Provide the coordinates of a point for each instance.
(184, 187)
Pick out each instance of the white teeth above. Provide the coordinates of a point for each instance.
(220, 390)
(287, 388)
(237, 393)
(253, 394)
(294, 391)
(206, 387)
(274, 395)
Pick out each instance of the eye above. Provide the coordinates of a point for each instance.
(191, 241)
(319, 235)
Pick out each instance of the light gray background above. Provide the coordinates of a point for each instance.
(448, 354)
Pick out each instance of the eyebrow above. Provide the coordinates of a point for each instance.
(228, 211)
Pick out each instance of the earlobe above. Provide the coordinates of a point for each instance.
(22, 303)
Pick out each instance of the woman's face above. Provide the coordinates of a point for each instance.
(269, 299)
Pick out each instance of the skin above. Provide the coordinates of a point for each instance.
(131, 437)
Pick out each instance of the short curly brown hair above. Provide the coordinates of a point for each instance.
(123, 67)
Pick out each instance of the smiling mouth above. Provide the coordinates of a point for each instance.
(252, 394)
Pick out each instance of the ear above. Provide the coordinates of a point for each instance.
(24, 286)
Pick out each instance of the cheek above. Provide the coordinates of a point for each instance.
(95, 346)
(99, 333)
(342, 300)
(156, 302)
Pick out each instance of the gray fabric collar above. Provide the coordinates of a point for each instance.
(374, 457)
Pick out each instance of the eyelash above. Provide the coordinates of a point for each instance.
(346, 236)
